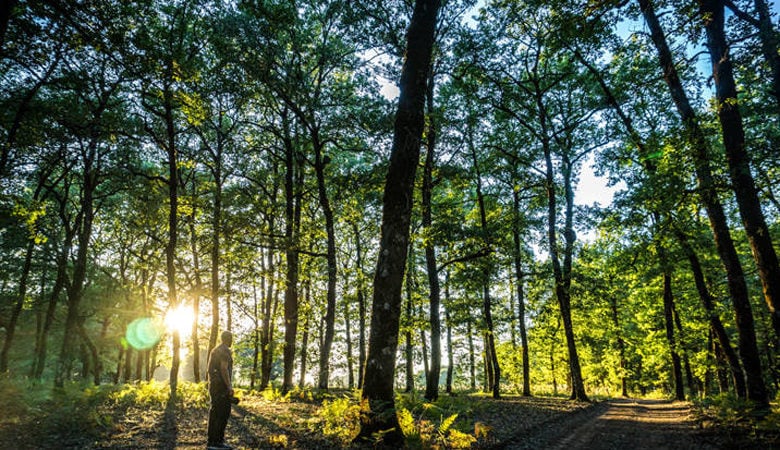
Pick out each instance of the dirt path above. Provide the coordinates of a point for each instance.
(620, 424)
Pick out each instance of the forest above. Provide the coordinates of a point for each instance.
(385, 197)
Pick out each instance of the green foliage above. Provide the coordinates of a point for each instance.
(156, 394)
(433, 425)
(340, 418)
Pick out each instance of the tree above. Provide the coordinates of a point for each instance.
(394, 238)
(723, 241)
(743, 185)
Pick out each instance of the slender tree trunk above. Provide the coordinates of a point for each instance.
(10, 326)
(348, 336)
(292, 217)
(409, 350)
(450, 352)
(216, 236)
(493, 369)
(520, 276)
(266, 347)
(361, 300)
(748, 347)
(255, 337)
(195, 297)
(75, 289)
(679, 392)
(738, 378)
(305, 336)
(432, 374)
(170, 249)
(742, 182)
(621, 346)
(396, 215)
(51, 309)
(562, 278)
(330, 309)
(472, 357)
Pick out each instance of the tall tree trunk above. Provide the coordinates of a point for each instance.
(520, 276)
(170, 248)
(348, 337)
(216, 250)
(292, 217)
(409, 349)
(748, 347)
(266, 344)
(330, 309)
(10, 326)
(494, 370)
(361, 300)
(432, 374)
(472, 357)
(394, 236)
(450, 352)
(305, 336)
(195, 296)
(255, 337)
(716, 325)
(742, 182)
(51, 309)
(679, 392)
(75, 289)
(562, 275)
(621, 343)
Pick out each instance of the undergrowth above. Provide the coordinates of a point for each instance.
(738, 420)
(425, 425)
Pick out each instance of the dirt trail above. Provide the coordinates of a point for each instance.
(620, 424)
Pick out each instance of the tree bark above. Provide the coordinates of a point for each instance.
(361, 300)
(742, 182)
(472, 358)
(668, 296)
(492, 366)
(748, 347)
(266, 333)
(409, 350)
(173, 223)
(737, 376)
(562, 272)
(394, 236)
(16, 311)
(520, 277)
(432, 380)
(330, 309)
(292, 222)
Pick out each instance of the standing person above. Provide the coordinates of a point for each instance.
(220, 376)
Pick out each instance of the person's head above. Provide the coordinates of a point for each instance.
(227, 338)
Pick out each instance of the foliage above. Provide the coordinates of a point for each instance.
(156, 394)
(340, 418)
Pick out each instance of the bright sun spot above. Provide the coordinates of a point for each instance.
(180, 319)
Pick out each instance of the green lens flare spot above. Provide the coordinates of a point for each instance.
(144, 333)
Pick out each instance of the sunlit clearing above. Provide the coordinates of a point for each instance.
(180, 319)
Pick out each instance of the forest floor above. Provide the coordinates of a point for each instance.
(257, 423)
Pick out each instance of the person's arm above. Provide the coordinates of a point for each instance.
(223, 370)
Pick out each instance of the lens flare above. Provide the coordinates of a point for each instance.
(144, 333)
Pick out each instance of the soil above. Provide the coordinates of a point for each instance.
(622, 424)
(510, 423)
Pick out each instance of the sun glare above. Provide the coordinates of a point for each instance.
(180, 319)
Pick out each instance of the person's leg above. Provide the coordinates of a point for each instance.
(221, 408)
(213, 433)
